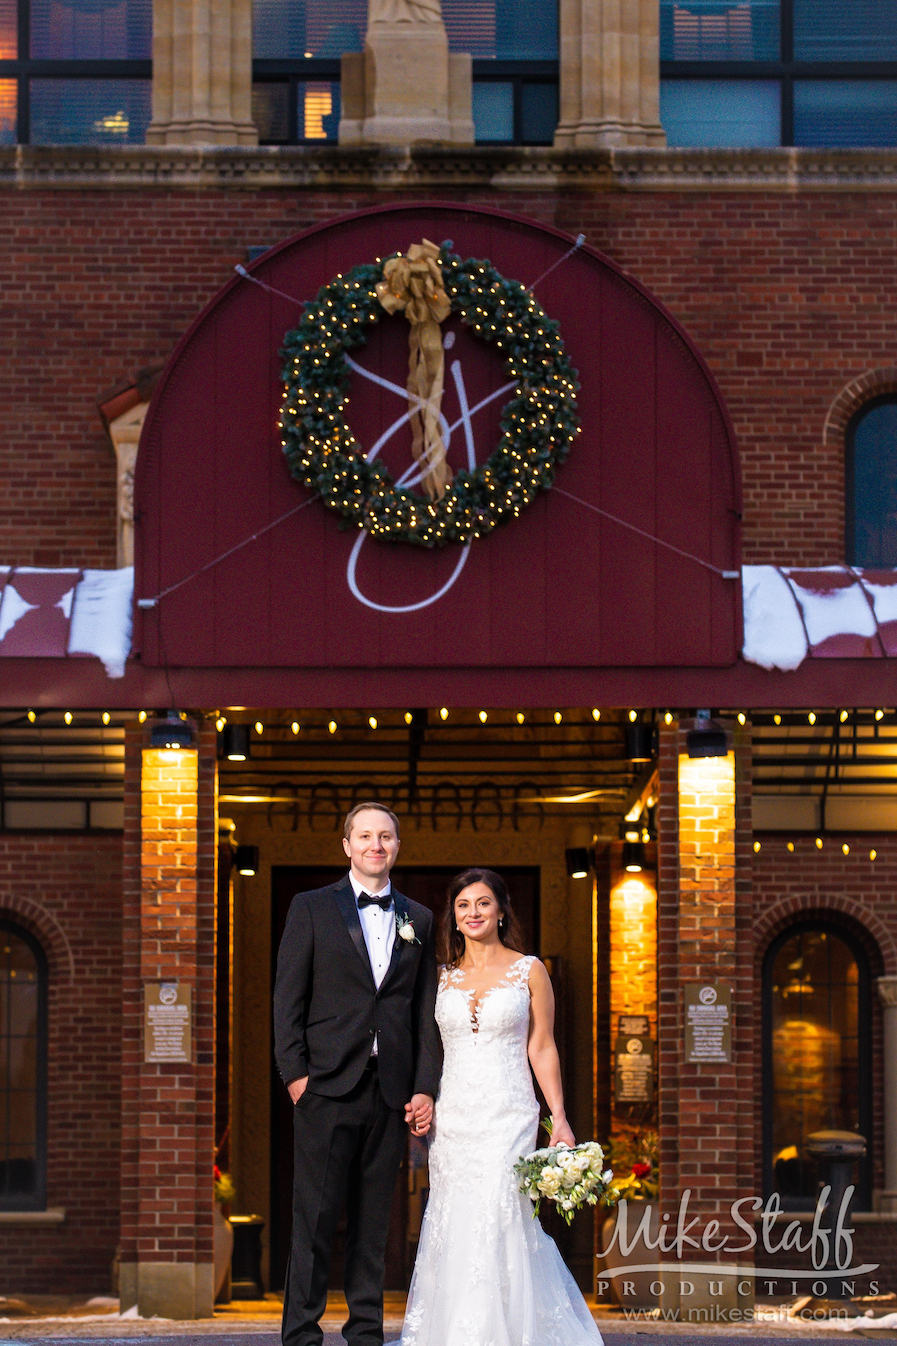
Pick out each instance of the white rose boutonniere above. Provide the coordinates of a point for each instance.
(405, 929)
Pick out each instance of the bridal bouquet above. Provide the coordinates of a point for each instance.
(571, 1178)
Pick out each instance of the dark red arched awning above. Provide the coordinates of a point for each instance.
(559, 588)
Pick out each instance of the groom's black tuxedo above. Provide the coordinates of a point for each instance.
(349, 1126)
(327, 1007)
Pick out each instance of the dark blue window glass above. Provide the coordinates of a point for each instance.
(493, 110)
(89, 111)
(297, 29)
(838, 30)
(845, 112)
(872, 486)
(711, 113)
(706, 30)
(91, 30)
(507, 30)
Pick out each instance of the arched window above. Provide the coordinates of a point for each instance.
(816, 1003)
(23, 1058)
(871, 483)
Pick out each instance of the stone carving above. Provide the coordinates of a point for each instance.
(887, 991)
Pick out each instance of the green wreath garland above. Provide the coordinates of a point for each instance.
(538, 423)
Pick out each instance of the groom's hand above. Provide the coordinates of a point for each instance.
(419, 1114)
(296, 1088)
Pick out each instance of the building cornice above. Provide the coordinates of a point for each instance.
(425, 168)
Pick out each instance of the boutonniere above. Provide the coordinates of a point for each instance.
(405, 928)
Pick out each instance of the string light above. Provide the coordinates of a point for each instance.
(106, 717)
(558, 717)
(142, 717)
(408, 717)
(844, 716)
(742, 718)
(332, 726)
(873, 854)
(668, 718)
(812, 717)
(845, 848)
(596, 715)
(259, 727)
(777, 719)
(879, 715)
(220, 723)
(443, 713)
(295, 726)
(520, 717)
(791, 847)
(633, 716)
(756, 847)
(819, 843)
(372, 721)
(68, 717)
(31, 716)
(483, 716)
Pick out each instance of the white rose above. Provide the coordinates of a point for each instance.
(406, 931)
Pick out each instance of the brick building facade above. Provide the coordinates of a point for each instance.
(779, 266)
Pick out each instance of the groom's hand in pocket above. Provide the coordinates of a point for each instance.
(296, 1088)
(419, 1114)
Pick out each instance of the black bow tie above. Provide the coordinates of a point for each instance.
(368, 900)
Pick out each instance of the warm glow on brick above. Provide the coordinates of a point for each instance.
(168, 854)
(633, 947)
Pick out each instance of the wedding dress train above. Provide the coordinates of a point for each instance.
(487, 1274)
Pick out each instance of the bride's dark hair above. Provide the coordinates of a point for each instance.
(452, 950)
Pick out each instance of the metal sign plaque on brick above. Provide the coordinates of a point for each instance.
(633, 1026)
(708, 1023)
(633, 1065)
(167, 1022)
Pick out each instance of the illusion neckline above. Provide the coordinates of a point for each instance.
(474, 1004)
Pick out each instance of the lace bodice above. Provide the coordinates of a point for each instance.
(486, 1273)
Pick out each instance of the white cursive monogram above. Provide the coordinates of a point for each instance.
(413, 474)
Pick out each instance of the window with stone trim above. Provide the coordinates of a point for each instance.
(297, 46)
(23, 1058)
(816, 1054)
(870, 480)
(75, 72)
(779, 72)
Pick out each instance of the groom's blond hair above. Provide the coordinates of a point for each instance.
(359, 808)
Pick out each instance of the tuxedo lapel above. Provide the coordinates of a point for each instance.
(401, 914)
(345, 900)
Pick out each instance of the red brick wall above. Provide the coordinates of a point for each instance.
(788, 297)
(67, 891)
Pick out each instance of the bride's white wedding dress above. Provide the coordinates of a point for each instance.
(487, 1274)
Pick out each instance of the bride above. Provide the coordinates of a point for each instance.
(486, 1273)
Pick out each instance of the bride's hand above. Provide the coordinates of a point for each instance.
(561, 1133)
(419, 1114)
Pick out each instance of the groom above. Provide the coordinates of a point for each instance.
(358, 1049)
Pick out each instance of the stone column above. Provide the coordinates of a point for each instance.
(887, 992)
(168, 1107)
(202, 73)
(406, 86)
(610, 74)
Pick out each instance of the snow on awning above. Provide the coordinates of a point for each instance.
(67, 614)
(835, 612)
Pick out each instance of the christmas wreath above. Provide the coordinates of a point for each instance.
(538, 423)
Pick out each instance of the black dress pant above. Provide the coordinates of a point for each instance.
(347, 1153)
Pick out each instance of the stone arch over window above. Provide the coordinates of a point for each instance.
(23, 1068)
(817, 980)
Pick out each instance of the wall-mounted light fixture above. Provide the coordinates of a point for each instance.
(246, 860)
(633, 856)
(639, 741)
(235, 742)
(172, 732)
(707, 739)
(579, 862)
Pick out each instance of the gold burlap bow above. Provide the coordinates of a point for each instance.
(414, 283)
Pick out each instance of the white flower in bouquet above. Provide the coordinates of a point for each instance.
(571, 1177)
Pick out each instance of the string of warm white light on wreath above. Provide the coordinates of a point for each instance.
(538, 423)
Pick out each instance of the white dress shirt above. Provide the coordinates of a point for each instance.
(379, 930)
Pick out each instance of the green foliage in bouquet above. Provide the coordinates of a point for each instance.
(225, 1191)
(570, 1177)
(632, 1153)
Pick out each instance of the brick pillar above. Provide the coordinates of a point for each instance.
(168, 1108)
(704, 929)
